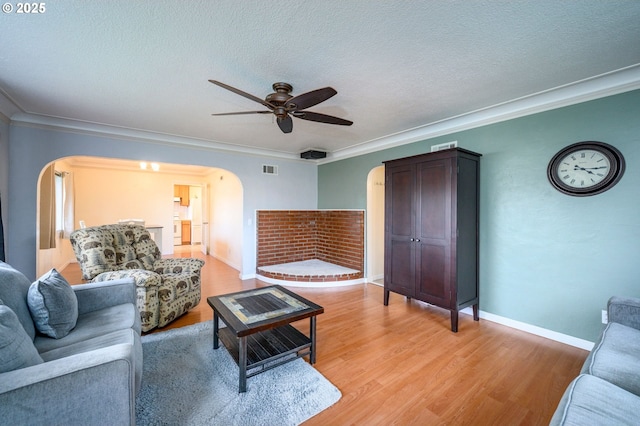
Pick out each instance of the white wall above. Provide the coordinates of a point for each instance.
(226, 219)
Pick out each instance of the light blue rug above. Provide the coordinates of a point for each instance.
(186, 382)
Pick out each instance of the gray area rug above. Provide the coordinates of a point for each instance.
(186, 382)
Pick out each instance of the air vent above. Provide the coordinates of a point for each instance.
(443, 146)
(269, 170)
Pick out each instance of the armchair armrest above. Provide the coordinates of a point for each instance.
(183, 265)
(41, 393)
(625, 311)
(141, 277)
(100, 295)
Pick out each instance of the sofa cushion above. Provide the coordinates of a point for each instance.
(616, 357)
(94, 324)
(53, 305)
(16, 347)
(590, 400)
(14, 287)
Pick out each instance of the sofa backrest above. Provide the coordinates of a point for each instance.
(114, 247)
(14, 287)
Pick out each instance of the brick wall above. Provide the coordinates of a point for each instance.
(334, 236)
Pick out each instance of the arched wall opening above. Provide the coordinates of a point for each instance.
(108, 190)
(375, 225)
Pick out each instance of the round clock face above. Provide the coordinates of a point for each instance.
(586, 168)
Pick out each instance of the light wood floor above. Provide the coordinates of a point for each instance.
(401, 365)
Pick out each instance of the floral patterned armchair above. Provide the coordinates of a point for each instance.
(165, 288)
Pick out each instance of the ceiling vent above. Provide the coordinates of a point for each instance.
(313, 155)
(443, 146)
(269, 170)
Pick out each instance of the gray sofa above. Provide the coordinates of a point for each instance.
(607, 391)
(89, 376)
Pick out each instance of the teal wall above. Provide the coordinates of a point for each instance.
(546, 259)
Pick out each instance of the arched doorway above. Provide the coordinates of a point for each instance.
(108, 190)
(375, 225)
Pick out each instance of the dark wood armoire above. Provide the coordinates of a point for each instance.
(431, 229)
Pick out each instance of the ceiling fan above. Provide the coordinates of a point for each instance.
(284, 105)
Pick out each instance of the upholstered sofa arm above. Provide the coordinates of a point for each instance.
(99, 295)
(104, 379)
(625, 311)
(183, 265)
(141, 277)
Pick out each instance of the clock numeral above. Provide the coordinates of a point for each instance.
(572, 181)
(566, 177)
(583, 155)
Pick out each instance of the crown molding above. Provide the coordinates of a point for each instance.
(612, 83)
(96, 129)
(608, 84)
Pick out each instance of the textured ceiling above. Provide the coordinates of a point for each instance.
(397, 65)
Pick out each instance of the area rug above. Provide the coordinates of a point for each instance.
(186, 382)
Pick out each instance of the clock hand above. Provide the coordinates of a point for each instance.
(576, 167)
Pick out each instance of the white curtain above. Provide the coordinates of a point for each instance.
(68, 200)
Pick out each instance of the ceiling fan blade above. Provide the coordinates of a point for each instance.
(241, 93)
(309, 99)
(244, 112)
(285, 124)
(321, 118)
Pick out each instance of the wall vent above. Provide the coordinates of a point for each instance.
(269, 170)
(443, 146)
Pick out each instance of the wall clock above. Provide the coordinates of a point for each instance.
(586, 168)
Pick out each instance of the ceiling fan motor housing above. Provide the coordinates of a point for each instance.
(313, 155)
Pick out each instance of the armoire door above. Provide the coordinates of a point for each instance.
(399, 273)
(433, 226)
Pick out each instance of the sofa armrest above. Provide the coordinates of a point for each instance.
(625, 311)
(182, 265)
(43, 393)
(100, 295)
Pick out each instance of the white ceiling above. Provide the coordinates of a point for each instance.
(397, 65)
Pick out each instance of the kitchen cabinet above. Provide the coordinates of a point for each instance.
(431, 229)
(186, 232)
(182, 192)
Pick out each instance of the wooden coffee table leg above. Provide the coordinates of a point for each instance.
(312, 335)
(215, 329)
(242, 363)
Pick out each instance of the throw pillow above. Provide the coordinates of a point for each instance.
(16, 347)
(53, 305)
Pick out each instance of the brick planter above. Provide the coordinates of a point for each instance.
(334, 236)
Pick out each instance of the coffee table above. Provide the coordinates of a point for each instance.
(258, 333)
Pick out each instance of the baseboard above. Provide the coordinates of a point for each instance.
(538, 331)
(225, 261)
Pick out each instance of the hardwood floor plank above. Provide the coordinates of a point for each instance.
(400, 364)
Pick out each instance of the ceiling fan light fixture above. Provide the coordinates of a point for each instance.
(283, 105)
